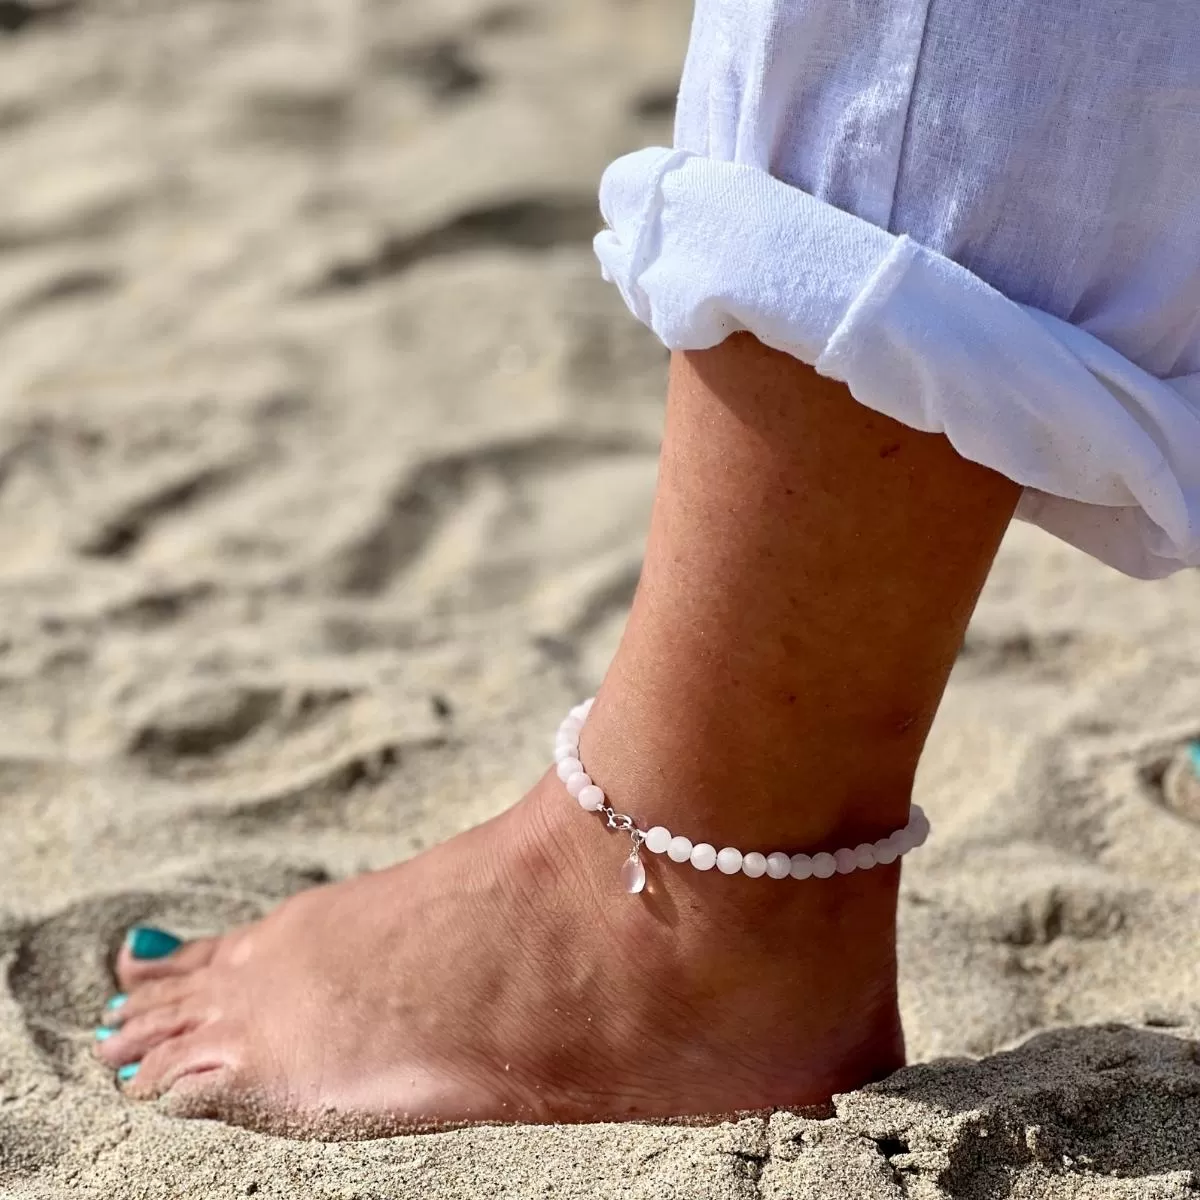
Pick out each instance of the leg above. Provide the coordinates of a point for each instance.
(811, 569)
(810, 572)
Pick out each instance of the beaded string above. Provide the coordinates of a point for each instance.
(703, 856)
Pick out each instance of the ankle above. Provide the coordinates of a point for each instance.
(708, 776)
(788, 976)
(708, 918)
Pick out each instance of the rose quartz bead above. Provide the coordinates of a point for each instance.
(568, 767)
(729, 861)
(577, 782)
(846, 861)
(864, 856)
(801, 866)
(886, 851)
(704, 857)
(778, 865)
(591, 798)
(902, 840)
(823, 865)
(754, 865)
(563, 751)
(919, 824)
(658, 839)
(633, 875)
(679, 849)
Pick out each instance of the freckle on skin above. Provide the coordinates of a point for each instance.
(888, 451)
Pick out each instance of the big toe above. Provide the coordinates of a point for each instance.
(214, 1093)
(152, 953)
(199, 1051)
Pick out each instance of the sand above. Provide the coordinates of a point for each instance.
(325, 461)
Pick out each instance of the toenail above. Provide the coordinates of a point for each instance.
(144, 941)
(1194, 755)
(117, 1001)
(104, 1032)
(127, 1072)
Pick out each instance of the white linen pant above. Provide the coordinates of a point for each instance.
(983, 216)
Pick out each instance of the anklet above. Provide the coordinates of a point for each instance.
(730, 861)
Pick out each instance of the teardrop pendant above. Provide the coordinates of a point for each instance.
(633, 874)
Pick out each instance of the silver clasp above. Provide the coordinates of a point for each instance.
(624, 823)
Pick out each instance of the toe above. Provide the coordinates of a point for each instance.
(138, 1036)
(150, 953)
(196, 1051)
(209, 1093)
(227, 1093)
(152, 994)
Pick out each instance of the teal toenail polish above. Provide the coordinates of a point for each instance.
(128, 1071)
(1194, 755)
(103, 1032)
(144, 941)
(116, 1001)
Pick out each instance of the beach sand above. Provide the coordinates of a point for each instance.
(325, 465)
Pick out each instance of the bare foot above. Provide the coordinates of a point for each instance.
(504, 976)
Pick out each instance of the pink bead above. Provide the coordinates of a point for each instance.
(918, 822)
(591, 798)
(577, 782)
(563, 751)
(633, 875)
(658, 839)
(729, 861)
(845, 860)
(704, 857)
(778, 865)
(754, 865)
(823, 865)
(679, 849)
(802, 866)
(886, 852)
(864, 856)
(568, 767)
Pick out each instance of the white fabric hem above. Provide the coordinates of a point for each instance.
(1109, 454)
